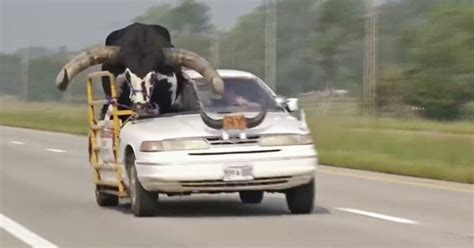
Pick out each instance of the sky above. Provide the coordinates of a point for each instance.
(80, 23)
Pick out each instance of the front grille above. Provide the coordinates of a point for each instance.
(220, 183)
(218, 141)
(231, 152)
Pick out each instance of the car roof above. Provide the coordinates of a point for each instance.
(225, 73)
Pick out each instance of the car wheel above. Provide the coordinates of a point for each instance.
(144, 203)
(106, 200)
(300, 199)
(251, 197)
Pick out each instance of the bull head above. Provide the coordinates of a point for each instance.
(141, 89)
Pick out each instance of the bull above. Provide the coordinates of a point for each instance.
(147, 65)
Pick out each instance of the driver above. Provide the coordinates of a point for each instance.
(230, 98)
(235, 95)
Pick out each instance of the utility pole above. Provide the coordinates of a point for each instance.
(370, 56)
(270, 42)
(24, 77)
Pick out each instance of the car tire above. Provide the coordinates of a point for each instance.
(143, 203)
(251, 197)
(300, 199)
(106, 200)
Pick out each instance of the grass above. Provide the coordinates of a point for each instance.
(58, 117)
(384, 123)
(335, 107)
(407, 147)
(381, 145)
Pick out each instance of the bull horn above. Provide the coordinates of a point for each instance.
(255, 121)
(219, 123)
(210, 122)
(91, 57)
(195, 62)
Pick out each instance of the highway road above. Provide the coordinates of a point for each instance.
(47, 200)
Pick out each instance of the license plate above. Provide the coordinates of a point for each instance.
(238, 173)
(234, 122)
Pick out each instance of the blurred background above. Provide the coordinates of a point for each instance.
(388, 85)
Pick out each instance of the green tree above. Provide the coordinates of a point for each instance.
(297, 70)
(390, 91)
(396, 20)
(41, 79)
(243, 47)
(318, 43)
(10, 83)
(188, 16)
(338, 42)
(442, 50)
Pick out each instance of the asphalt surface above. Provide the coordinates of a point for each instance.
(47, 200)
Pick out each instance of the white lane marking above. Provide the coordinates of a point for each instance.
(378, 216)
(23, 234)
(55, 150)
(16, 142)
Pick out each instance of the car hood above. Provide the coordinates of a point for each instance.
(191, 125)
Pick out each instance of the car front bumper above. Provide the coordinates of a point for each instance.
(270, 174)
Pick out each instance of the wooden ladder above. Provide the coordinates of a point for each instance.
(112, 187)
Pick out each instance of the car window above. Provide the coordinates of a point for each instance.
(240, 94)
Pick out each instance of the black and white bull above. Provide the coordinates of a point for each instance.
(148, 67)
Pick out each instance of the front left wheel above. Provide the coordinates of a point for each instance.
(300, 199)
(144, 202)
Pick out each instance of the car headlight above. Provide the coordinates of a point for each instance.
(174, 145)
(286, 140)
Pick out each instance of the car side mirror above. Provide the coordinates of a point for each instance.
(292, 104)
(281, 101)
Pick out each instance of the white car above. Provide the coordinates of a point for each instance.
(180, 154)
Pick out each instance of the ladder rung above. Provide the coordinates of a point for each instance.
(108, 166)
(97, 148)
(125, 112)
(107, 183)
(96, 127)
(95, 102)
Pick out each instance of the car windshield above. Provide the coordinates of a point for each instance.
(240, 94)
